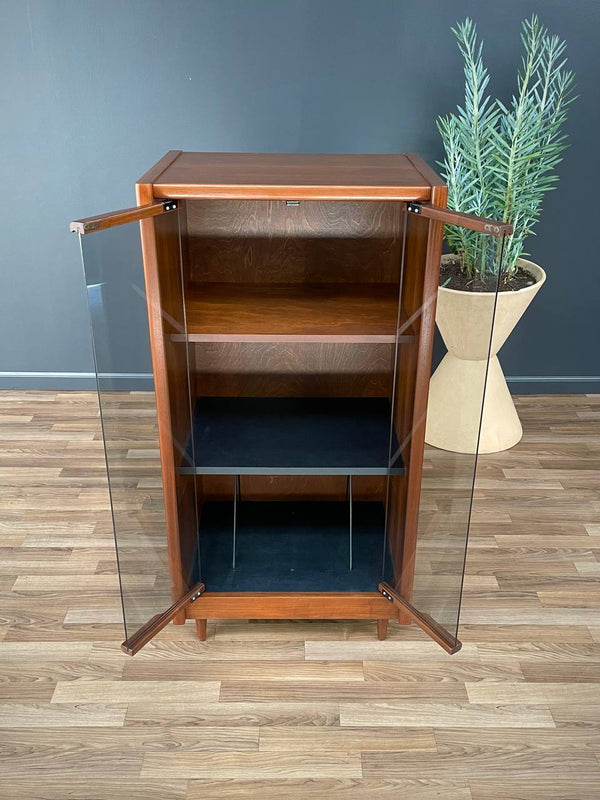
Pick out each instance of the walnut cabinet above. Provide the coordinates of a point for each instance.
(263, 363)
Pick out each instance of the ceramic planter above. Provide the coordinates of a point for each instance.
(456, 389)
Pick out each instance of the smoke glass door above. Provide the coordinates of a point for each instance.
(121, 303)
(429, 510)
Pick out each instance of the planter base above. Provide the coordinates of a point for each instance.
(454, 410)
(466, 320)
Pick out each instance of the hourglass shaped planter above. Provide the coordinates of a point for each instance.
(456, 389)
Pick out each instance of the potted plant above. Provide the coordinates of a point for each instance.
(499, 163)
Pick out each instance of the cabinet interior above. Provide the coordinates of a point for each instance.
(295, 303)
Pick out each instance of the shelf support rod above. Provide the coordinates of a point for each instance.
(350, 516)
(236, 488)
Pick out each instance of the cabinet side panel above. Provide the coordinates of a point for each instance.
(246, 369)
(160, 247)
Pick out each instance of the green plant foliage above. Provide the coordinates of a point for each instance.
(500, 159)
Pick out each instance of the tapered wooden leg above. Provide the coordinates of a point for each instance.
(382, 625)
(201, 629)
(179, 618)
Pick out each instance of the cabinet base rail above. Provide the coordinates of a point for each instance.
(380, 606)
(292, 605)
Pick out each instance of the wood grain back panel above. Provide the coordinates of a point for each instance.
(287, 370)
(297, 487)
(250, 241)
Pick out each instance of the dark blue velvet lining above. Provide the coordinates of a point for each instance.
(292, 435)
(292, 547)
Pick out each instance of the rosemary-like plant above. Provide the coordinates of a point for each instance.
(500, 159)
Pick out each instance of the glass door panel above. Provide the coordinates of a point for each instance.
(429, 511)
(140, 459)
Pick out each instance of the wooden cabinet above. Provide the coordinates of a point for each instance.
(263, 371)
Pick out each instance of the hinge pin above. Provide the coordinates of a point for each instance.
(414, 207)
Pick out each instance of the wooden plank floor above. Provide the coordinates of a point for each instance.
(300, 709)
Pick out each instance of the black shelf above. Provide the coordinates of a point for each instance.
(291, 436)
(292, 547)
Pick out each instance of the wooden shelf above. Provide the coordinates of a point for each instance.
(260, 312)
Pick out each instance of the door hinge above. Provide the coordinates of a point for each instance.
(197, 594)
(414, 207)
(386, 595)
(170, 205)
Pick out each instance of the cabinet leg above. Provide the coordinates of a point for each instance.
(179, 618)
(382, 626)
(201, 629)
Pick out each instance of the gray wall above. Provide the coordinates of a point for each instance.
(94, 93)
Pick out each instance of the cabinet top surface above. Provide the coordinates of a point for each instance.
(292, 176)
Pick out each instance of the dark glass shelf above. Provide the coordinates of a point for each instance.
(291, 436)
(292, 547)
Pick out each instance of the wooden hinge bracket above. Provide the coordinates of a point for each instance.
(450, 644)
(141, 637)
(492, 227)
